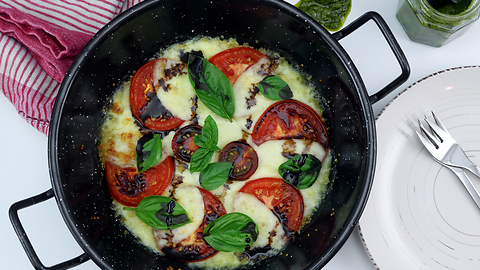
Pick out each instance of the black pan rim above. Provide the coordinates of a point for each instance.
(121, 19)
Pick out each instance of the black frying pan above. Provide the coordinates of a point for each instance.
(135, 36)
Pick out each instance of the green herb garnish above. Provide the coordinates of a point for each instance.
(233, 232)
(301, 171)
(207, 141)
(200, 159)
(215, 174)
(148, 151)
(274, 88)
(161, 213)
(211, 86)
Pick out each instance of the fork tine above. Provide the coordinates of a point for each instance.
(439, 123)
(432, 138)
(426, 142)
(436, 130)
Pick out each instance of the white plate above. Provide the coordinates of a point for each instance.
(419, 215)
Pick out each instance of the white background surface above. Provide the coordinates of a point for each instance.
(23, 150)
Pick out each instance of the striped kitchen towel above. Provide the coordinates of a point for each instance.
(39, 40)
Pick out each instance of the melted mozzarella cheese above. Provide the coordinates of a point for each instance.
(313, 195)
(173, 88)
(270, 231)
(271, 153)
(142, 231)
(247, 100)
(301, 89)
(119, 132)
(191, 200)
(249, 103)
(270, 158)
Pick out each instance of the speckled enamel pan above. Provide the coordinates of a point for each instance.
(136, 35)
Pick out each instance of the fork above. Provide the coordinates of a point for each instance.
(448, 153)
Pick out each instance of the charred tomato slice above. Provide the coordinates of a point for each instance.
(243, 157)
(233, 62)
(290, 119)
(144, 103)
(195, 248)
(129, 187)
(182, 142)
(283, 199)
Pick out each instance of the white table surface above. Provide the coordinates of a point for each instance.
(23, 150)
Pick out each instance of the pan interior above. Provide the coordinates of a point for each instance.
(134, 37)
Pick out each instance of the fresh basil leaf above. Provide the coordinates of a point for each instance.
(233, 232)
(206, 144)
(148, 151)
(200, 159)
(209, 137)
(207, 141)
(215, 174)
(201, 141)
(161, 213)
(173, 219)
(274, 88)
(301, 171)
(211, 86)
(210, 130)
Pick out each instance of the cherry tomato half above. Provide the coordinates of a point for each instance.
(243, 157)
(195, 248)
(182, 143)
(290, 119)
(145, 105)
(233, 62)
(283, 199)
(129, 187)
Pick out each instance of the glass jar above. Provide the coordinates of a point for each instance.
(427, 25)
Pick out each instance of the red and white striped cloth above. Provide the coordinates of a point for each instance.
(39, 40)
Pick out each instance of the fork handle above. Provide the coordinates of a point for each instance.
(474, 169)
(467, 183)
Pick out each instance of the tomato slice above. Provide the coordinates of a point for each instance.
(129, 187)
(243, 157)
(290, 119)
(233, 62)
(285, 201)
(195, 248)
(182, 142)
(144, 103)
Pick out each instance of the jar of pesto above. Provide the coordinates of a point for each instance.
(436, 22)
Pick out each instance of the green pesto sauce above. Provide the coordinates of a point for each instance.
(450, 7)
(329, 13)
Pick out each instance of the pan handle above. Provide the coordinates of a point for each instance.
(27, 245)
(397, 51)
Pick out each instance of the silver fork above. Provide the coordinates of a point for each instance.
(450, 153)
(447, 152)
